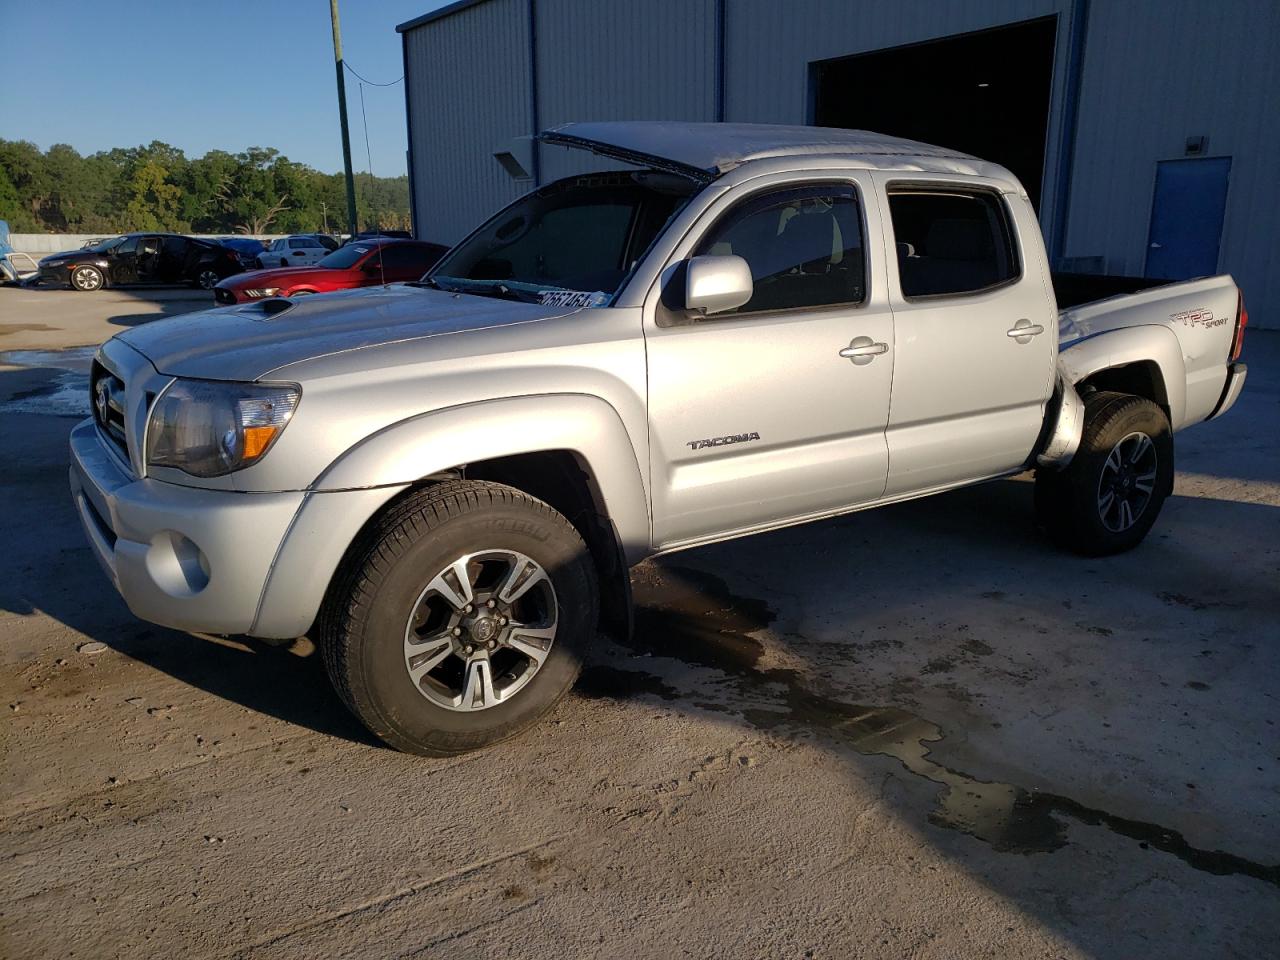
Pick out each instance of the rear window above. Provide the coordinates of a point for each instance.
(951, 242)
(344, 257)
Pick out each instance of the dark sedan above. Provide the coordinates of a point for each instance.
(134, 258)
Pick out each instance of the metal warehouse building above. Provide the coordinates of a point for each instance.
(1146, 131)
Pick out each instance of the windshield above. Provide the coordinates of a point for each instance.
(344, 258)
(571, 243)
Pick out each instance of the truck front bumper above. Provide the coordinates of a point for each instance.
(182, 557)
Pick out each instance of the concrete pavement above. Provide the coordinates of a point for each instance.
(917, 731)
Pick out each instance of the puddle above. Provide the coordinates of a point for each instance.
(49, 382)
(692, 617)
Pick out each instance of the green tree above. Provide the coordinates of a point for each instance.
(153, 200)
(156, 187)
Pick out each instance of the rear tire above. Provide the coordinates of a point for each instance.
(1109, 496)
(404, 653)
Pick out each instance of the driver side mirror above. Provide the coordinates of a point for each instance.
(716, 284)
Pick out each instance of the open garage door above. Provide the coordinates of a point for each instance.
(983, 93)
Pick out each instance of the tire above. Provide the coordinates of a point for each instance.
(87, 279)
(1126, 447)
(207, 279)
(399, 583)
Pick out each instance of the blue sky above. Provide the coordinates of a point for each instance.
(204, 74)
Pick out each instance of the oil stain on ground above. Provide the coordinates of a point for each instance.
(690, 616)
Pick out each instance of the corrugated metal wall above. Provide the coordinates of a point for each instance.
(618, 58)
(1155, 73)
(468, 92)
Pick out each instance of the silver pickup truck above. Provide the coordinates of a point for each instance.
(737, 328)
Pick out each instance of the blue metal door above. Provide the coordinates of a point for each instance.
(1186, 217)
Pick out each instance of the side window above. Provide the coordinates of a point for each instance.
(175, 247)
(804, 247)
(129, 246)
(951, 242)
(402, 256)
(298, 243)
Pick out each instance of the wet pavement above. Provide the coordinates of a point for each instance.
(918, 731)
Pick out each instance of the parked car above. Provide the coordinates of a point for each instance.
(246, 249)
(444, 483)
(295, 251)
(141, 258)
(358, 265)
(370, 234)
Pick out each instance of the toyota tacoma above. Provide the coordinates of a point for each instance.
(738, 328)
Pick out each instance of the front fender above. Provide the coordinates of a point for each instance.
(434, 442)
(1117, 348)
(366, 477)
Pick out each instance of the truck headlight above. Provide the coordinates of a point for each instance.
(210, 428)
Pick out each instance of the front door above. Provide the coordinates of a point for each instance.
(124, 261)
(975, 331)
(149, 260)
(1186, 217)
(755, 417)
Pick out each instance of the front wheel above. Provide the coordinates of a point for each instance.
(207, 279)
(86, 279)
(459, 618)
(1109, 496)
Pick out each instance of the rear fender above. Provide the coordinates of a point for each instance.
(1148, 343)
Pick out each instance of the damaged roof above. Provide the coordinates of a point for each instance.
(708, 150)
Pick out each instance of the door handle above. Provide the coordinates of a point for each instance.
(862, 350)
(1024, 330)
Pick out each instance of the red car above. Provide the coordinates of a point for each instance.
(358, 264)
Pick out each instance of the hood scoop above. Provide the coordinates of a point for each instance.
(276, 305)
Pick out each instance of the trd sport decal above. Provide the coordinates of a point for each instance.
(1199, 317)
(722, 441)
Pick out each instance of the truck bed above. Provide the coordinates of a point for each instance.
(1186, 329)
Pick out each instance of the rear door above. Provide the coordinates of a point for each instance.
(173, 259)
(755, 417)
(975, 331)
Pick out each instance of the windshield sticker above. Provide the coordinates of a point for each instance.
(572, 298)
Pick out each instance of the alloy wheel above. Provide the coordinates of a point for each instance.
(86, 278)
(1127, 482)
(480, 630)
(207, 279)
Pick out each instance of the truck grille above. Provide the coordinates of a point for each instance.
(106, 398)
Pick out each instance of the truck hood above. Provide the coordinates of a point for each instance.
(248, 341)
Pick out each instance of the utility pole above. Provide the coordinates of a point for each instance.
(342, 118)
